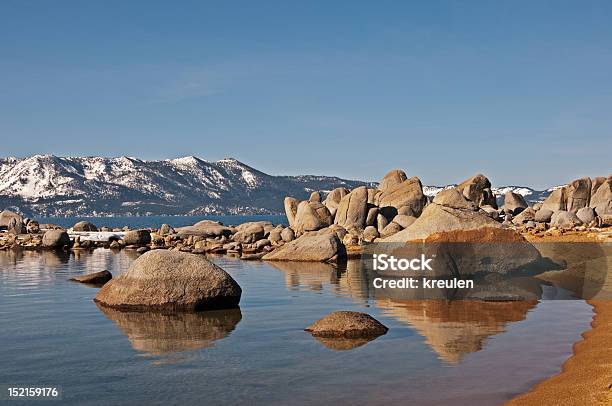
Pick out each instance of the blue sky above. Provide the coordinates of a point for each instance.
(520, 91)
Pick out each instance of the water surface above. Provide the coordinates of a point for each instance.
(435, 352)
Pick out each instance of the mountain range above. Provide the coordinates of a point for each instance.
(48, 185)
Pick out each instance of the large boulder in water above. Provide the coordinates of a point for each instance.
(171, 280)
(408, 193)
(316, 248)
(55, 239)
(84, 226)
(311, 216)
(353, 209)
(478, 189)
(449, 211)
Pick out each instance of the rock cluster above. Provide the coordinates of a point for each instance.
(583, 204)
(338, 225)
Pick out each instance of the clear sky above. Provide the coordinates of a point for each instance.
(518, 90)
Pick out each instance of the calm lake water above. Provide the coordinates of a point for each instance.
(435, 353)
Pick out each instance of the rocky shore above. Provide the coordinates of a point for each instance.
(344, 221)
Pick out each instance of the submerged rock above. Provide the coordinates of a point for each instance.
(347, 324)
(96, 278)
(171, 280)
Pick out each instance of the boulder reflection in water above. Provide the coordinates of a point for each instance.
(167, 333)
(459, 327)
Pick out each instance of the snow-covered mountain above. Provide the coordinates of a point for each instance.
(47, 185)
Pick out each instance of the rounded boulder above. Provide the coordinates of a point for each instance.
(55, 239)
(171, 280)
(347, 324)
(84, 226)
(137, 237)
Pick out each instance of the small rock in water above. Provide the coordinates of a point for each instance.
(96, 278)
(347, 324)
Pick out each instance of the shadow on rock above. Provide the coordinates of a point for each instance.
(168, 333)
